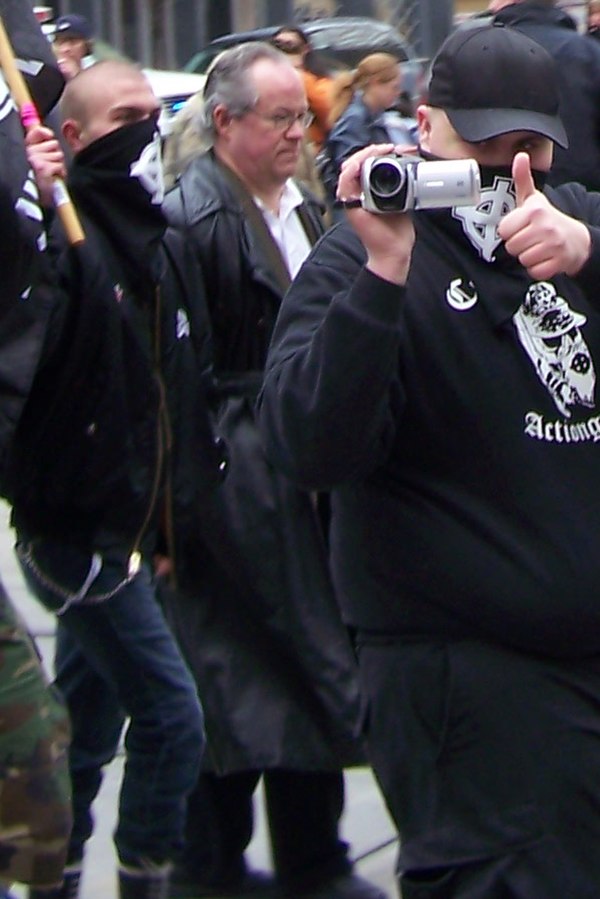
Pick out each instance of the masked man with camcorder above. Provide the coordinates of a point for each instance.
(436, 371)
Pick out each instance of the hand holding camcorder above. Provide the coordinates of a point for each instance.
(397, 183)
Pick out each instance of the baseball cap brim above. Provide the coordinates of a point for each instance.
(475, 125)
(68, 30)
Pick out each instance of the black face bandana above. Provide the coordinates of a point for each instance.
(479, 223)
(117, 181)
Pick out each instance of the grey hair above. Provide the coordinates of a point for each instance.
(227, 83)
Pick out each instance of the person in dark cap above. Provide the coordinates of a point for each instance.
(72, 44)
(435, 371)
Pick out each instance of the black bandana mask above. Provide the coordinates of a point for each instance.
(479, 223)
(118, 182)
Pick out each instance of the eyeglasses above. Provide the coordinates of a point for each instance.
(283, 121)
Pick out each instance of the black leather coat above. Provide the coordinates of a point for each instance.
(258, 620)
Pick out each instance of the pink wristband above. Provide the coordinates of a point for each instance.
(29, 115)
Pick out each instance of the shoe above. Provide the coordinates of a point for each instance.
(68, 890)
(345, 886)
(256, 884)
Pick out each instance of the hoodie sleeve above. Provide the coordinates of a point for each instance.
(584, 205)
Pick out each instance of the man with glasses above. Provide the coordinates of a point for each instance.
(257, 619)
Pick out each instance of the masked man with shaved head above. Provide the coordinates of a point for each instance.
(111, 456)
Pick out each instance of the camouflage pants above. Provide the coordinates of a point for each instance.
(35, 795)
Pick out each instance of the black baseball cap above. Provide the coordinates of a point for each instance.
(493, 80)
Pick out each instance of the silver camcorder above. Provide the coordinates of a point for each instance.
(401, 183)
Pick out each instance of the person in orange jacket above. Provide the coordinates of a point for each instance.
(292, 41)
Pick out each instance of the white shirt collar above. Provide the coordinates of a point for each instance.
(286, 228)
(291, 198)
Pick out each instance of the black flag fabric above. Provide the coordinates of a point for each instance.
(36, 61)
(33, 52)
(25, 278)
(45, 83)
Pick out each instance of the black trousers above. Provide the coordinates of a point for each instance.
(489, 761)
(303, 812)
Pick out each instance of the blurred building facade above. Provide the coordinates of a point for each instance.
(165, 33)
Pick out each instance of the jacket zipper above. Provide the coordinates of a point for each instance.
(164, 442)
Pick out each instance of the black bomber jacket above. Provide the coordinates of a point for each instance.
(115, 437)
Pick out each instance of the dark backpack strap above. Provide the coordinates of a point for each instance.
(308, 223)
(260, 228)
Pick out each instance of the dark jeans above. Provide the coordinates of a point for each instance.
(303, 811)
(118, 658)
(489, 760)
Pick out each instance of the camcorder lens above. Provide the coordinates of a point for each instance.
(386, 178)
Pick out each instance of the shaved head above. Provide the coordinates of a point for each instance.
(78, 95)
(102, 98)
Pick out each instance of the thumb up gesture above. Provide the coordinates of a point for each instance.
(544, 240)
(524, 183)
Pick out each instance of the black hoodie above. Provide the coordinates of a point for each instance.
(457, 423)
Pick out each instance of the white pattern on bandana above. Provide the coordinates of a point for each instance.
(148, 170)
(480, 222)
